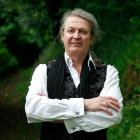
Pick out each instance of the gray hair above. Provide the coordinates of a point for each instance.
(95, 30)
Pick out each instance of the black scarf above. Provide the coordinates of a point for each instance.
(56, 79)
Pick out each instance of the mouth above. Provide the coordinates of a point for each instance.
(76, 43)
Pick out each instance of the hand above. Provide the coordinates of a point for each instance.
(101, 103)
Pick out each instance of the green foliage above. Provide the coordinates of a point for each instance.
(130, 124)
(51, 52)
(29, 18)
(126, 59)
(7, 61)
(24, 29)
(29, 23)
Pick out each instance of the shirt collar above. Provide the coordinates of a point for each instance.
(70, 63)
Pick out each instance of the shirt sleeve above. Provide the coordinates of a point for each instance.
(39, 107)
(94, 121)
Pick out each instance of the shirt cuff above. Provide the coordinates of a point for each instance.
(71, 125)
(77, 106)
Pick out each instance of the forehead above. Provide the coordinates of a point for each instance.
(76, 22)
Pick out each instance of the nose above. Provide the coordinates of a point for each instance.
(76, 35)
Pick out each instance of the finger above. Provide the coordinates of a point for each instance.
(116, 104)
(105, 103)
(106, 110)
(110, 98)
(113, 107)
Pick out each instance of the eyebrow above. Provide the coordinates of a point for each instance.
(82, 28)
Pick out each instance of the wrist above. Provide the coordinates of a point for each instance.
(86, 104)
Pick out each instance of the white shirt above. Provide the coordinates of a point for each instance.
(40, 108)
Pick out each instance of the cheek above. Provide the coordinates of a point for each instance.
(87, 41)
(66, 40)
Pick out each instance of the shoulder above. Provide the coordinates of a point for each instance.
(40, 69)
(39, 72)
(109, 69)
(112, 71)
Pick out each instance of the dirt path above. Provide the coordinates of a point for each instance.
(14, 125)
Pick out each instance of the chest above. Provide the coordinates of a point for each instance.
(96, 79)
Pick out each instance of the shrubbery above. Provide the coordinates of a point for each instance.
(7, 61)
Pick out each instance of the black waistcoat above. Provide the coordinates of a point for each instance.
(52, 131)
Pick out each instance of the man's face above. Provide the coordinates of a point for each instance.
(76, 36)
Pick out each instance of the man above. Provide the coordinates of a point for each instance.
(76, 96)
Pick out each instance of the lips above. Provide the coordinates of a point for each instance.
(76, 43)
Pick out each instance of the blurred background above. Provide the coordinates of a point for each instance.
(28, 30)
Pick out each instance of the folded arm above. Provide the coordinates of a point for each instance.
(103, 111)
(77, 113)
(39, 107)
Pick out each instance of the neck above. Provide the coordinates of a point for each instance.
(78, 62)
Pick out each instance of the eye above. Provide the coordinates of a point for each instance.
(70, 31)
(83, 32)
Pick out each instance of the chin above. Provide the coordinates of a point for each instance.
(75, 51)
